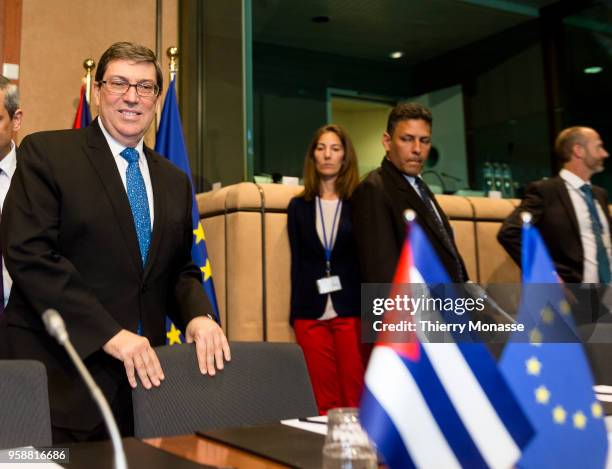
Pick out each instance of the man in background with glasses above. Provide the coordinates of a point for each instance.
(99, 227)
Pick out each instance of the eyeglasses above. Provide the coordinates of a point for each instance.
(144, 89)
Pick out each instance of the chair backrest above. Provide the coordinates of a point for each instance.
(25, 418)
(246, 224)
(263, 383)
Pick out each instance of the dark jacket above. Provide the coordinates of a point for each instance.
(308, 263)
(553, 214)
(70, 244)
(380, 228)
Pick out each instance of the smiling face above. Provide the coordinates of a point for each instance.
(126, 117)
(328, 155)
(408, 147)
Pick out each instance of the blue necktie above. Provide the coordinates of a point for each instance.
(441, 229)
(603, 263)
(137, 195)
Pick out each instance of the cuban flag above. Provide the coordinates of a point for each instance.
(438, 404)
(82, 117)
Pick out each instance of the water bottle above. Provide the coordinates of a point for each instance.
(487, 177)
(498, 178)
(347, 445)
(508, 182)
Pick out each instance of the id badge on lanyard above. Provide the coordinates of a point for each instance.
(330, 283)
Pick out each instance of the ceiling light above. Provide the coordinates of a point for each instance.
(592, 70)
(398, 54)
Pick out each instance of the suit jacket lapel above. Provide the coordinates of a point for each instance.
(414, 201)
(343, 219)
(567, 203)
(159, 208)
(310, 220)
(102, 160)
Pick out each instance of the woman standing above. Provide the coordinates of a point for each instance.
(325, 285)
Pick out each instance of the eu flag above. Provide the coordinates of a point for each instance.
(170, 143)
(83, 117)
(552, 381)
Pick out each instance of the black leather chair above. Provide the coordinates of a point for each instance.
(24, 404)
(263, 383)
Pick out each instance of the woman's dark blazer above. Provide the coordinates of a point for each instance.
(308, 262)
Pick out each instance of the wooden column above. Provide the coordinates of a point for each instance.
(10, 27)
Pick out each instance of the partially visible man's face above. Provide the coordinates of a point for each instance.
(408, 147)
(594, 151)
(8, 126)
(128, 116)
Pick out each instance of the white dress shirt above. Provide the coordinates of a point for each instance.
(585, 224)
(7, 168)
(329, 210)
(122, 164)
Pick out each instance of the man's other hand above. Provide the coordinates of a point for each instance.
(211, 344)
(137, 356)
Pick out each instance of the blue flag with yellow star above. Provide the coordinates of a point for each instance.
(170, 143)
(549, 373)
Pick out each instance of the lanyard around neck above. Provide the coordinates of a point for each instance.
(328, 246)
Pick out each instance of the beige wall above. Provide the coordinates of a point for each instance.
(366, 129)
(58, 35)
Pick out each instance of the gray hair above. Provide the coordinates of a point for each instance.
(11, 95)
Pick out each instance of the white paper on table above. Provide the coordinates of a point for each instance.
(313, 426)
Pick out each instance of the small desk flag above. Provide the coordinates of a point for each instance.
(552, 381)
(438, 404)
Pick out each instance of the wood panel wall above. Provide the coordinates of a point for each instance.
(10, 31)
(56, 36)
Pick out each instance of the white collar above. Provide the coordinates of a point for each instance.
(572, 179)
(116, 147)
(8, 164)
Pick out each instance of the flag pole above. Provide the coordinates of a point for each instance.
(88, 65)
(173, 55)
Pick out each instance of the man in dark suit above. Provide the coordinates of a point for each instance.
(98, 226)
(574, 220)
(10, 123)
(382, 197)
(569, 211)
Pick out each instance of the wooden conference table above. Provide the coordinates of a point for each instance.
(205, 451)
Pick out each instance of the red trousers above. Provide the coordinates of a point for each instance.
(333, 357)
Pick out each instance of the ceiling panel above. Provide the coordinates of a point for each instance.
(371, 29)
